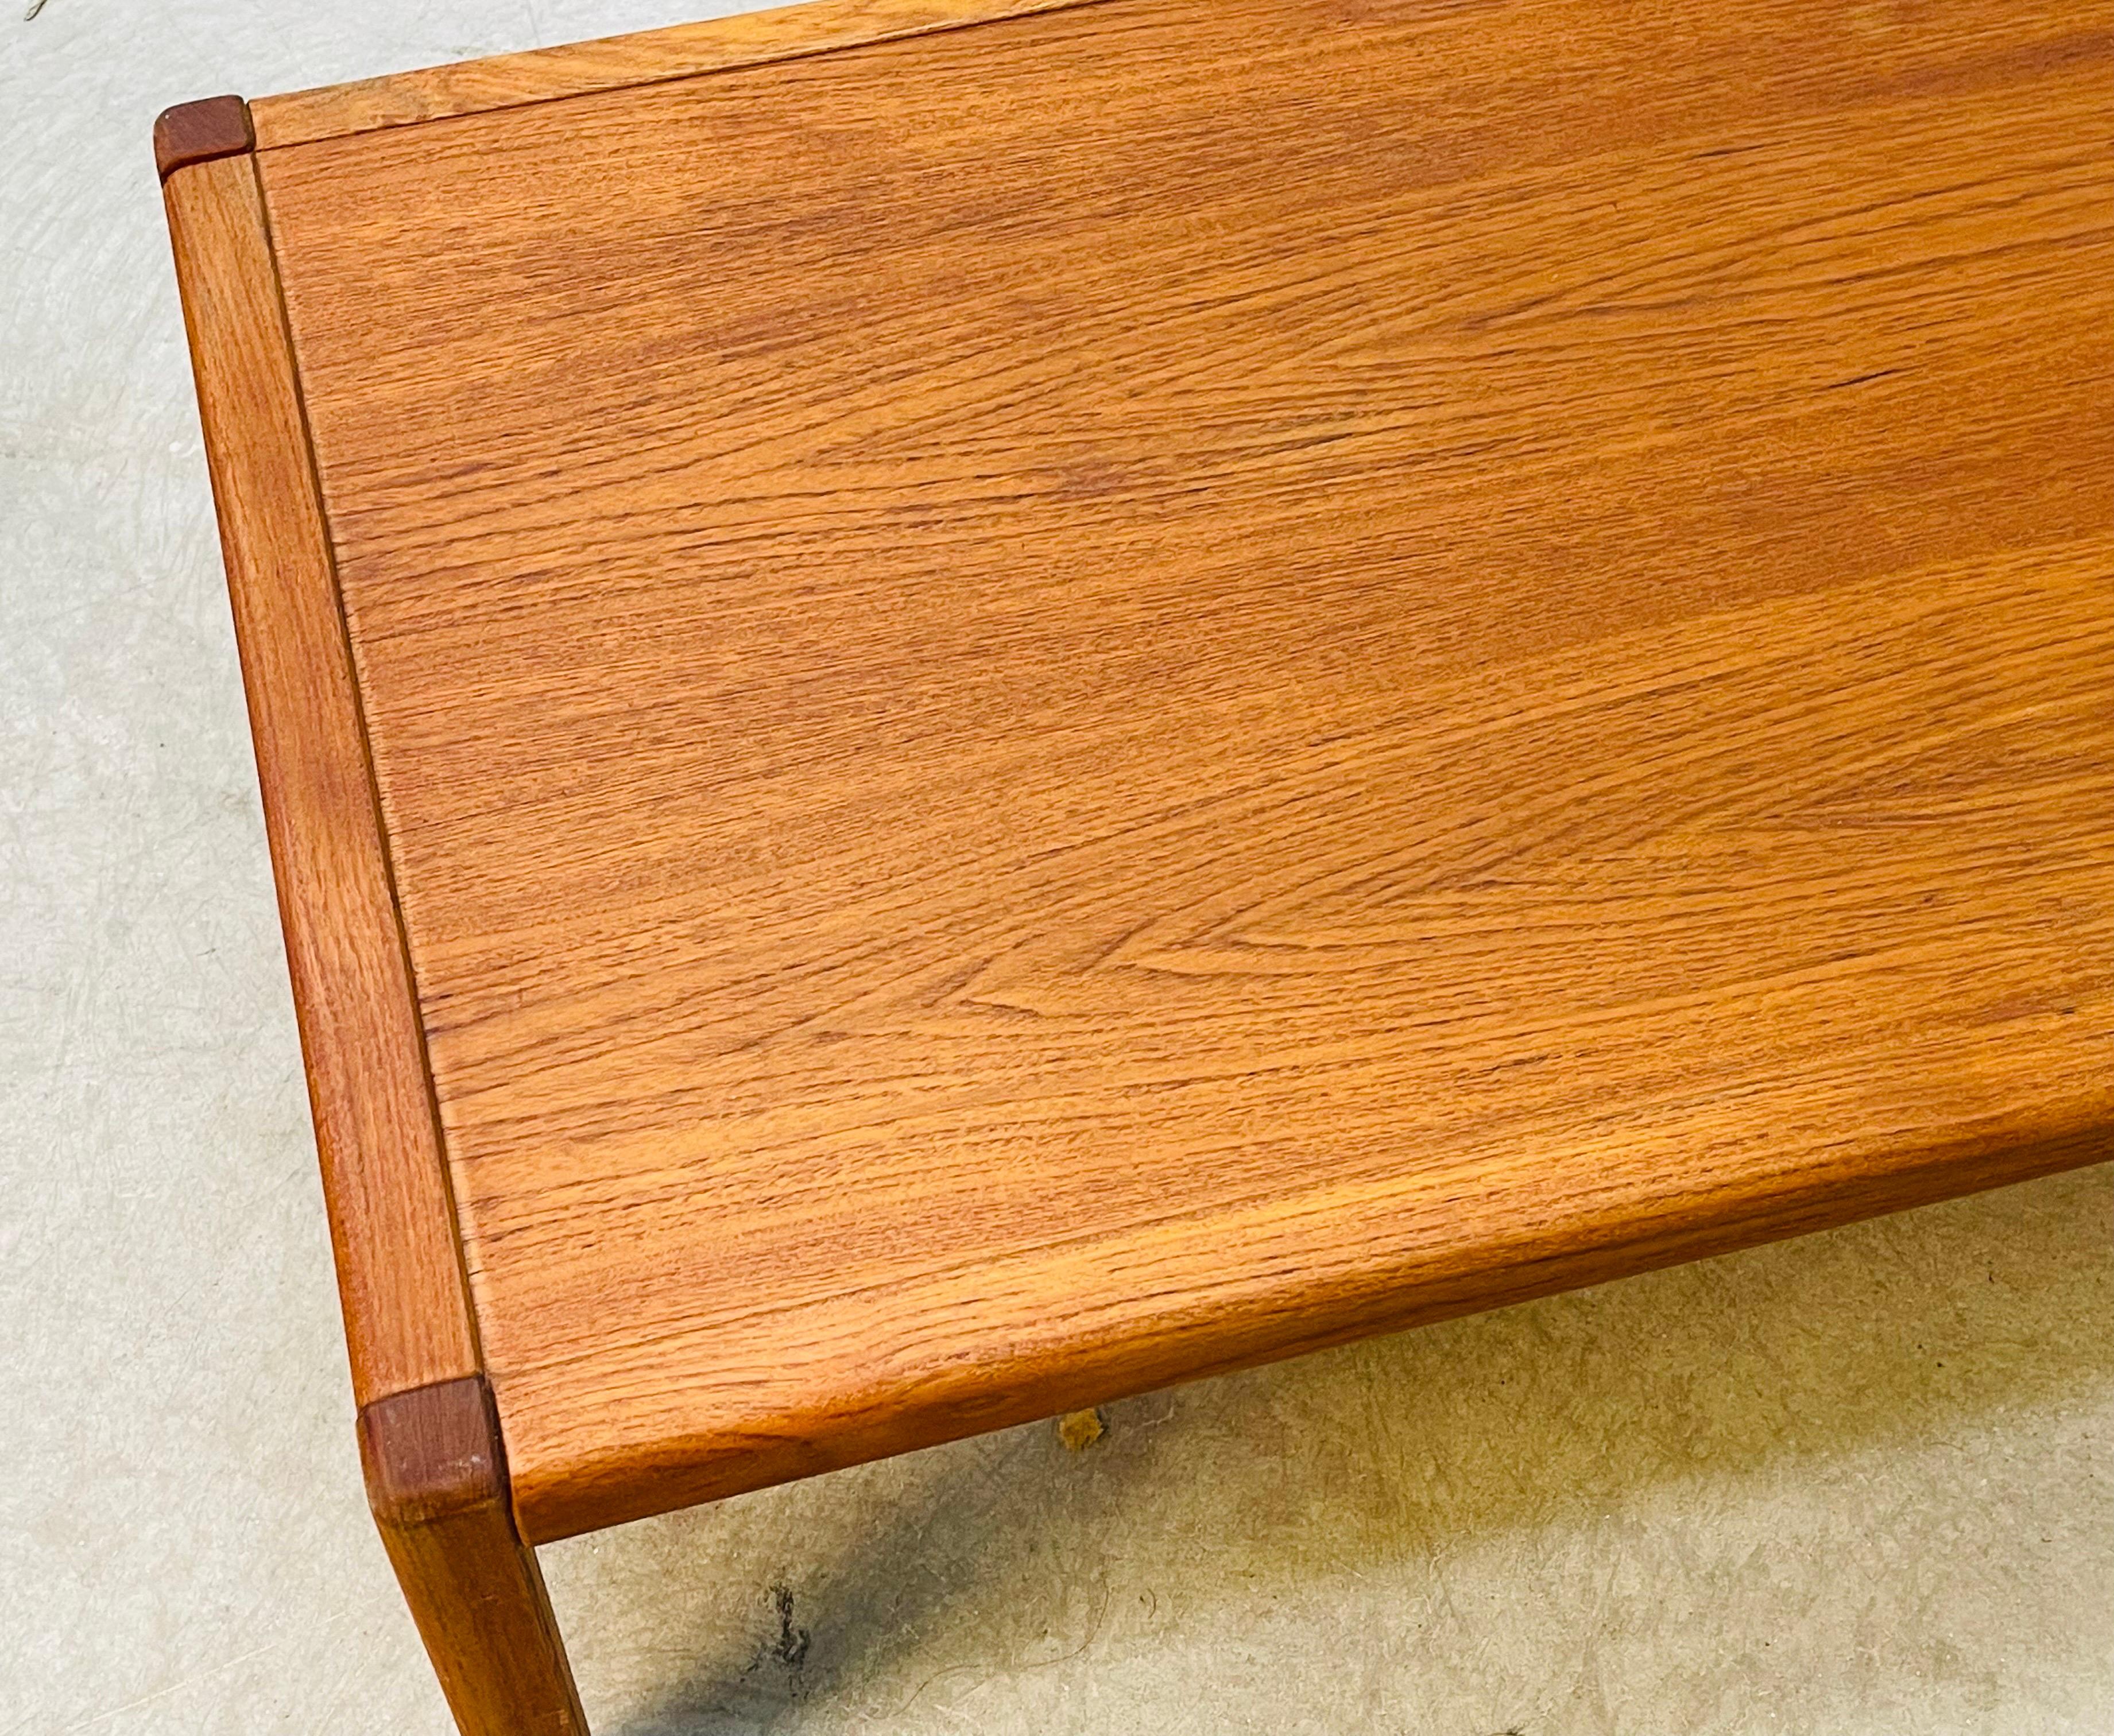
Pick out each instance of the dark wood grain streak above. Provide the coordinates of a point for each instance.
(436, 1477)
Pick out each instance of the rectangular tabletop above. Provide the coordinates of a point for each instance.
(1069, 701)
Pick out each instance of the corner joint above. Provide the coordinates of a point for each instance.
(432, 1453)
(198, 132)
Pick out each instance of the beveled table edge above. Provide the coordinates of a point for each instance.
(615, 62)
(409, 1322)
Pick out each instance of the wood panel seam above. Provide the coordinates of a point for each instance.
(270, 136)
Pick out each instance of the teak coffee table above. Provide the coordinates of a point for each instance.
(969, 704)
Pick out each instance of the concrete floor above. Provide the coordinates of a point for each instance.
(1859, 1484)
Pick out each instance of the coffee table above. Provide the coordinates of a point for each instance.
(966, 705)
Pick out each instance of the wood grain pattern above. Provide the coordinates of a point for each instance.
(1078, 701)
(437, 1476)
(400, 1270)
(544, 75)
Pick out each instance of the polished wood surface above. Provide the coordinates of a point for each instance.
(435, 1469)
(543, 75)
(392, 1222)
(1072, 702)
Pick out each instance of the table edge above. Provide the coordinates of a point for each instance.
(573, 1494)
(614, 63)
(409, 1318)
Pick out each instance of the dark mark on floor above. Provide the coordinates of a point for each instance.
(789, 1649)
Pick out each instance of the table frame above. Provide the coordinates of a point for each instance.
(430, 1437)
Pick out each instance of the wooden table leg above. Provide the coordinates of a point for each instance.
(436, 1479)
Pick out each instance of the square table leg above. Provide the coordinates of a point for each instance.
(436, 1479)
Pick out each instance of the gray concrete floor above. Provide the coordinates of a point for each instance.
(1859, 1484)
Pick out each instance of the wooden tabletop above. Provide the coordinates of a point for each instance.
(1067, 702)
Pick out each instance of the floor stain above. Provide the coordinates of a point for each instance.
(789, 1648)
